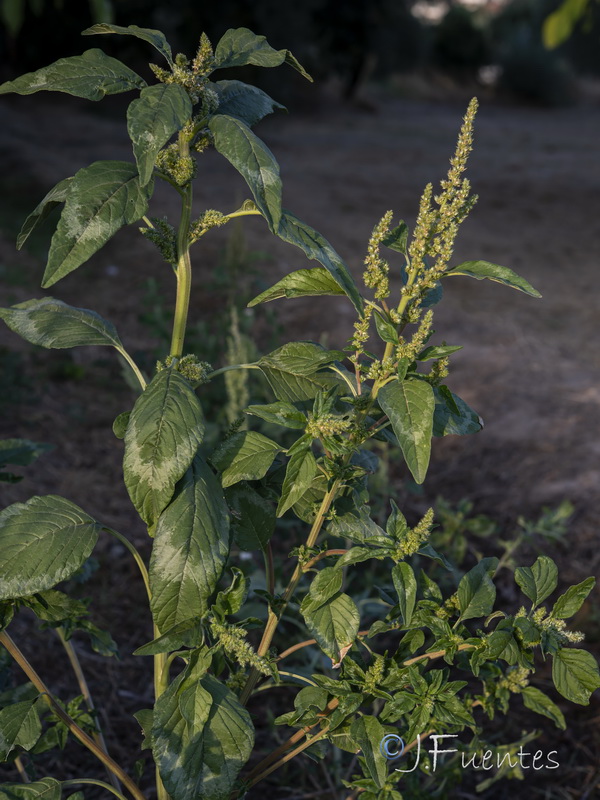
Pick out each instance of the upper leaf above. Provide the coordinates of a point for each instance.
(279, 413)
(57, 195)
(156, 38)
(299, 474)
(575, 674)
(165, 428)
(246, 102)
(42, 542)
(102, 198)
(405, 585)
(494, 272)
(239, 46)
(540, 703)
(158, 113)
(476, 591)
(334, 625)
(51, 323)
(19, 727)
(245, 456)
(571, 601)
(538, 581)
(301, 283)
(293, 370)
(92, 75)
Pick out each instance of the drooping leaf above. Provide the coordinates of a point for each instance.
(300, 472)
(189, 633)
(102, 198)
(57, 195)
(334, 625)
(42, 542)
(452, 416)
(245, 456)
(92, 75)
(405, 585)
(254, 161)
(248, 103)
(410, 407)
(53, 324)
(44, 789)
(19, 727)
(165, 429)
(301, 283)
(154, 37)
(159, 112)
(315, 246)
(239, 46)
(190, 548)
(234, 596)
(571, 601)
(294, 370)
(538, 581)
(368, 733)
(575, 674)
(494, 272)
(476, 591)
(279, 413)
(539, 702)
(252, 517)
(21, 452)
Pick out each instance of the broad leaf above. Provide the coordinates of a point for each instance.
(165, 429)
(410, 407)
(19, 727)
(279, 413)
(44, 789)
(248, 103)
(42, 542)
(571, 601)
(575, 674)
(334, 625)
(368, 734)
(189, 633)
(254, 161)
(359, 528)
(315, 246)
(397, 238)
(494, 272)
(57, 195)
(540, 703)
(92, 75)
(476, 591)
(324, 586)
(239, 46)
(245, 456)
(252, 517)
(160, 111)
(154, 37)
(452, 415)
(293, 371)
(102, 198)
(405, 585)
(538, 581)
(301, 469)
(190, 548)
(301, 283)
(53, 324)
(21, 452)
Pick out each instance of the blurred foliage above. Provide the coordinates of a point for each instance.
(460, 42)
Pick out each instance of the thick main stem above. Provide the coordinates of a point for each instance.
(184, 265)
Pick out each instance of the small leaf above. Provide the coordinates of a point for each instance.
(189, 633)
(538, 581)
(334, 625)
(233, 598)
(279, 413)
(248, 103)
(44, 789)
(57, 195)
(405, 585)
(571, 601)
(21, 452)
(239, 46)
(160, 111)
(294, 370)
(42, 542)
(494, 272)
(92, 75)
(120, 423)
(575, 674)
(452, 416)
(245, 456)
(19, 727)
(410, 407)
(476, 591)
(368, 734)
(102, 198)
(397, 238)
(252, 517)
(300, 472)
(440, 351)
(324, 586)
(154, 37)
(540, 703)
(53, 324)
(301, 283)
(386, 330)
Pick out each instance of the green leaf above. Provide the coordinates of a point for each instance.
(165, 429)
(42, 542)
(452, 416)
(476, 591)
(316, 247)
(301, 283)
(540, 703)
(44, 789)
(299, 474)
(154, 37)
(189, 633)
(575, 674)
(405, 585)
(397, 238)
(293, 370)
(248, 103)
(279, 413)
(560, 24)
(245, 456)
(254, 161)
(568, 603)
(252, 517)
(494, 272)
(233, 598)
(190, 548)
(239, 46)
(368, 733)
(21, 452)
(19, 727)
(92, 75)
(538, 581)
(324, 586)
(359, 528)
(386, 330)
(439, 351)
(160, 111)
(102, 198)
(57, 195)
(334, 625)
(410, 407)
(53, 324)
(120, 423)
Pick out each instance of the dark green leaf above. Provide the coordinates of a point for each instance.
(233, 598)
(57, 195)
(279, 413)
(160, 111)
(189, 633)
(494, 272)
(358, 554)
(476, 591)
(440, 351)
(386, 330)
(571, 601)
(324, 586)
(540, 703)
(359, 528)
(252, 517)
(165, 428)
(102, 198)
(575, 674)
(239, 46)
(190, 548)
(44, 789)
(405, 585)
(301, 283)
(154, 37)
(19, 727)
(21, 452)
(368, 733)
(452, 415)
(293, 371)
(245, 456)
(42, 542)
(92, 75)
(53, 324)
(334, 625)
(248, 103)
(299, 475)
(120, 423)
(538, 581)
(397, 238)
(410, 406)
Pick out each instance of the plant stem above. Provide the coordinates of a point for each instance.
(136, 555)
(269, 569)
(94, 783)
(87, 695)
(288, 757)
(435, 654)
(318, 557)
(133, 366)
(21, 770)
(214, 374)
(79, 734)
(184, 265)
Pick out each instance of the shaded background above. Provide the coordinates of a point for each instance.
(392, 80)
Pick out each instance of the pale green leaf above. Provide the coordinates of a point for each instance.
(560, 24)
(57, 195)
(294, 370)
(494, 272)
(245, 456)
(538, 581)
(279, 413)
(476, 591)
(239, 46)
(301, 283)
(326, 583)
(405, 585)
(575, 674)
(154, 37)
(568, 603)
(248, 103)
(19, 727)
(299, 474)
(368, 734)
(539, 702)
(334, 625)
